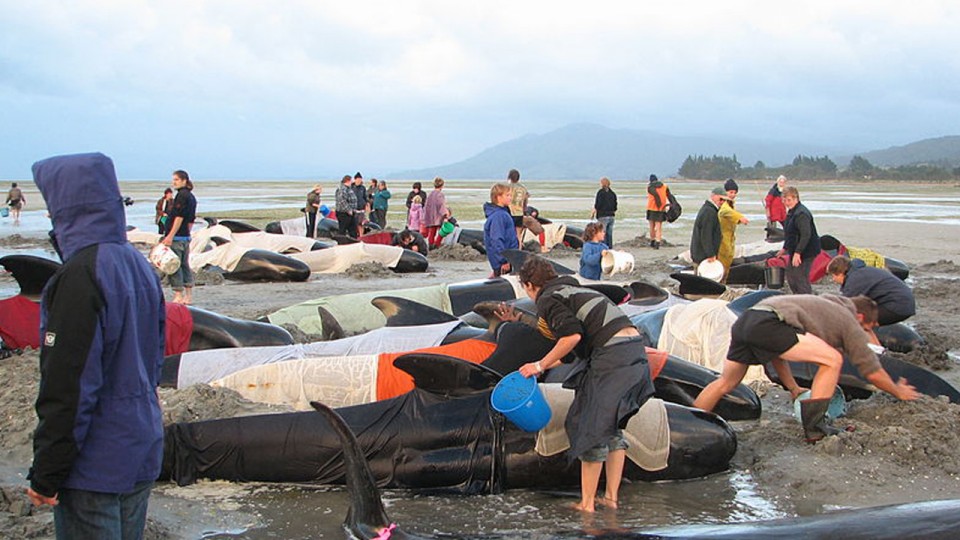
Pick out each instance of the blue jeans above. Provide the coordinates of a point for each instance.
(183, 276)
(607, 222)
(103, 516)
(599, 452)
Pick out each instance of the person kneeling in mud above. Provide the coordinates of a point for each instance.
(805, 328)
(611, 379)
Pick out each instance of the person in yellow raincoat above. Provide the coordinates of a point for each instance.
(729, 219)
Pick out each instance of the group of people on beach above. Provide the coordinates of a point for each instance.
(96, 465)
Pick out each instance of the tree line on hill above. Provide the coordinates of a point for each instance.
(811, 168)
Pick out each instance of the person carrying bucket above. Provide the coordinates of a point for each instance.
(611, 378)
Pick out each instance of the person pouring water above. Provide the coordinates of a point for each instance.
(611, 378)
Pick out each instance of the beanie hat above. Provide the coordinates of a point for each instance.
(653, 178)
(730, 185)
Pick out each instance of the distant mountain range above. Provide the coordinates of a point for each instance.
(588, 151)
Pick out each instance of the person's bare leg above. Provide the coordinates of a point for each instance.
(188, 295)
(653, 230)
(733, 373)
(589, 482)
(614, 473)
(658, 226)
(812, 349)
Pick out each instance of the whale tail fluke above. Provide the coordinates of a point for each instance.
(30, 271)
(367, 516)
(516, 258)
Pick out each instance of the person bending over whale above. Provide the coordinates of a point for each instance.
(805, 328)
(611, 379)
(894, 298)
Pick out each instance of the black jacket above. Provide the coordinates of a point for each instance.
(800, 233)
(881, 286)
(705, 242)
(605, 203)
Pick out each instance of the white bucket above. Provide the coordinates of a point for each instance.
(616, 261)
(711, 270)
(164, 259)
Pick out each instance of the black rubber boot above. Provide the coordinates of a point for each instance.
(812, 415)
(656, 244)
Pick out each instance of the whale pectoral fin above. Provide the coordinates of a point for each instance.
(406, 312)
(219, 240)
(446, 375)
(691, 284)
(617, 294)
(31, 272)
(367, 515)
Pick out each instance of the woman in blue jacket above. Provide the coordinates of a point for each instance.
(498, 231)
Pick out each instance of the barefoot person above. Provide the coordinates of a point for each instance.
(16, 201)
(182, 213)
(611, 377)
(805, 328)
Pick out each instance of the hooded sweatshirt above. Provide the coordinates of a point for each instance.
(498, 234)
(102, 340)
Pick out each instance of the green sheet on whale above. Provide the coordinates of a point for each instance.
(354, 311)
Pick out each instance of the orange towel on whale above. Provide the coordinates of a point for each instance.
(392, 382)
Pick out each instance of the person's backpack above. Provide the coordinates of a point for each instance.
(674, 209)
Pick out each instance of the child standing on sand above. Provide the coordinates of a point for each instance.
(593, 250)
(415, 216)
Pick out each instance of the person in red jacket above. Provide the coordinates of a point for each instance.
(776, 211)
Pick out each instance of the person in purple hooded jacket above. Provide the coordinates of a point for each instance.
(99, 441)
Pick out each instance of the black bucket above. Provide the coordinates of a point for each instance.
(773, 276)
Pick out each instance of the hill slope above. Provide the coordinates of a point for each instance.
(940, 151)
(588, 151)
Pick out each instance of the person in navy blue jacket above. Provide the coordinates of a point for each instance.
(894, 299)
(99, 442)
(498, 231)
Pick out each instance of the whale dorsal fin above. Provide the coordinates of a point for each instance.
(238, 226)
(30, 271)
(406, 312)
(446, 375)
(367, 515)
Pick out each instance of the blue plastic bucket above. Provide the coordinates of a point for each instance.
(4, 211)
(520, 400)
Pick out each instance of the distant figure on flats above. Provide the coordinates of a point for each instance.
(417, 190)
(98, 445)
(657, 201)
(380, 204)
(311, 209)
(895, 301)
(363, 205)
(705, 240)
(415, 214)
(16, 201)
(800, 241)
(182, 214)
(163, 210)
(346, 207)
(411, 240)
(773, 203)
(604, 209)
(435, 212)
(498, 231)
(729, 219)
(593, 250)
(805, 328)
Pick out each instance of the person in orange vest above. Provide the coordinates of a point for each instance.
(656, 209)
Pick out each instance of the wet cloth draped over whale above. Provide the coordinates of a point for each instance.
(340, 381)
(205, 367)
(339, 258)
(355, 314)
(700, 332)
(204, 252)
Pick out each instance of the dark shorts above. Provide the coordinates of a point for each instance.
(760, 336)
(653, 215)
(517, 221)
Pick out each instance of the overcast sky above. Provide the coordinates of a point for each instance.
(254, 89)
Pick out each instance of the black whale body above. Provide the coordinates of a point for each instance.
(442, 435)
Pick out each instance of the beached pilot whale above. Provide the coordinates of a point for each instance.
(441, 435)
(187, 327)
(931, 520)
